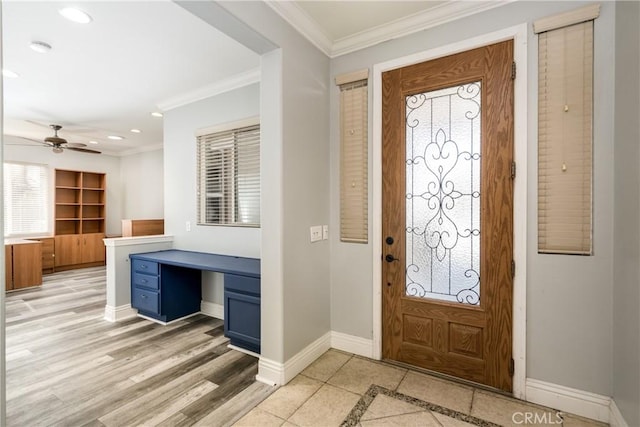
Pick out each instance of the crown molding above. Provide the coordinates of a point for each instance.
(430, 18)
(235, 82)
(438, 15)
(303, 23)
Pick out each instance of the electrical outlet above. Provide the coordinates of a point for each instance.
(325, 232)
(316, 233)
(188, 226)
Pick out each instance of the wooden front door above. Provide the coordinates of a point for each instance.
(447, 189)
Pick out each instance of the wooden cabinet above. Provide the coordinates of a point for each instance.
(68, 250)
(48, 254)
(23, 263)
(74, 249)
(93, 249)
(79, 218)
(142, 227)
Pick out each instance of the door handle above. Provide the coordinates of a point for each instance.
(390, 258)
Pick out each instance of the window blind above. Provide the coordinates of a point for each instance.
(354, 189)
(565, 109)
(229, 177)
(26, 199)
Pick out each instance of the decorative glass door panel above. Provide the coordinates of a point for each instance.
(443, 141)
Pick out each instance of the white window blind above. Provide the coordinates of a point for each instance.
(565, 110)
(229, 177)
(354, 224)
(26, 199)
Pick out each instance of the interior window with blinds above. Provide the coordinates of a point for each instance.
(26, 199)
(565, 111)
(229, 177)
(354, 225)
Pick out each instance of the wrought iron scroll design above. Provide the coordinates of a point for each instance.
(443, 194)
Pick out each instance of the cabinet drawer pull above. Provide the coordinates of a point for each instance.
(144, 280)
(143, 296)
(143, 266)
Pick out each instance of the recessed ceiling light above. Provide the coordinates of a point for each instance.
(10, 74)
(40, 47)
(93, 142)
(75, 15)
(115, 137)
(156, 114)
(136, 131)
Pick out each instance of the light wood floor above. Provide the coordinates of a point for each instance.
(67, 366)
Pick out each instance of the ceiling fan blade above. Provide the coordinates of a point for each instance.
(82, 150)
(74, 145)
(46, 144)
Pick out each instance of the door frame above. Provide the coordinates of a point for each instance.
(519, 35)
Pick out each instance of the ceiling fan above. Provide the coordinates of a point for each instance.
(59, 144)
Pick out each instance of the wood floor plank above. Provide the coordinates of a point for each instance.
(67, 366)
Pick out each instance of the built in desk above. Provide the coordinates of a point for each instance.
(166, 285)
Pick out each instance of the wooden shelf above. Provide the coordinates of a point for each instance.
(79, 210)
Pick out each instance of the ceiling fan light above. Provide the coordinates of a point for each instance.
(75, 15)
(40, 47)
(9, 74)
(57, 150)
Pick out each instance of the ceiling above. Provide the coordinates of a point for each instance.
(106, 77)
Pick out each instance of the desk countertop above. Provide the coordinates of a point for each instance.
(17, 241)
(204, 261)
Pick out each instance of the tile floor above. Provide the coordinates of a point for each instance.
(327, 391)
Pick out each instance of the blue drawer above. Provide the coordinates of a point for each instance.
(145, 300)
(145, 280)
(242, 320)
(242, 284)
(143, 266)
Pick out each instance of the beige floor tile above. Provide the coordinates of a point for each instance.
(511, 412)
(435, 390)
(417, 419)
(385, 406)
(287, 399)
(576, 421)
(358, 374)
(446, 421)
(328, 407)
(327, 365)
(258, 417)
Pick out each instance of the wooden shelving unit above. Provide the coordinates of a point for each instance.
(79, 217)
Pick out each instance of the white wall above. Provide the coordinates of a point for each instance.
(75, 161)
(180, 200)
(626, 320)
(569, 298)
(142, 177)
(295, 156)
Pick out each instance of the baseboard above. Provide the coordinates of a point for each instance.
(583, 403)
(212, 309)
(117, 314)
(352, 344)
(275, 373)
(615, 416)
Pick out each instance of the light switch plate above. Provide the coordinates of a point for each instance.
(316, 233)
(325, 232)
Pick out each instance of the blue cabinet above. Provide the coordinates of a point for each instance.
(242, 311)
(166, 285)
(164, 292)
